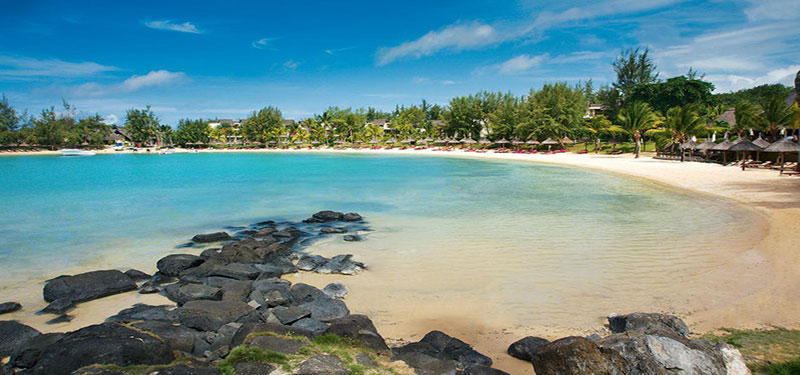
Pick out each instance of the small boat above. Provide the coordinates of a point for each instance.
(75, 152)
(119, 146)
(166, 151)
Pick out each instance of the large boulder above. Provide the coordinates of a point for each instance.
(326, 309)
(140, 311)
(310, 262)
(9, 307)
(106, 343)
(279, 329)
(13, 335)
(176, 336)
(358, 327)
(424, 364)
(173, 265)
(137, 275)
(352, 216)
(211, 237)
(302, 293)
(251, 250)
(315, 326)
(182, 293)
(211, 315)
(577, 355)
(525, 348)
(324, 216)
(88, 286)
(253, 368)
(663, 355)
(341, 264)
(647, 323)
(27, 354)
(277, 344)
(322, 365)
(335, 290)
(187, 370)
(291, 314)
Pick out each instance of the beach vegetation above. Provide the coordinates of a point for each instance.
(263, 125)
(197, 131)
(774, 351)
(142, 125)
(636, 119)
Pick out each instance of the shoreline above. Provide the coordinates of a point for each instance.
(772, 197)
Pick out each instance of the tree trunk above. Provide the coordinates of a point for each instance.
(638, 147)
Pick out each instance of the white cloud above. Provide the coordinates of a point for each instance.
(153, 78)
(419, 80)
(448, 82)
(521, 64)
(263, 43)
(185, 27)
(454, 37)
(110, 119)
(29, 67)
(733, 82)
(766, 10)
(291, 64)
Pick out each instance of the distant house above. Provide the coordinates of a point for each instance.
(593, 110)
(288, 122)
(728, 116)
(117, 134)
(217, 123)
(382, 123)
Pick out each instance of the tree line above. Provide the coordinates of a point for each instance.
(636, 106)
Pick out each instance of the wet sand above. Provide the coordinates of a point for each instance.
(769, 278)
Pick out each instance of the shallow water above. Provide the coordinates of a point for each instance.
(520, 244)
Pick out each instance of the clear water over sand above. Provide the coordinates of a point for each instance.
(455, 240)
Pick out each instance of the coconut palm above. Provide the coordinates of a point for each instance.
(777, 115)
(681, 124)
(373, 131)
(600, 125)
(636, 119)
(747, 117)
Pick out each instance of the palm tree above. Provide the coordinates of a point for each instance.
(681, 123)
(600, 125)
(373, 131)
(747, 116)
(777, 115)
(636, 119)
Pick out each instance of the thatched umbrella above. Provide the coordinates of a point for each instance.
(760, 142)
(484, 141)
(298, 142)
(392, 140)
(374, 141)
(453, 141)
(467, 140)
(501, 141)
(745, 146)
(567, 141)
(707, 145)
(532, 142)
(440, 141)
(407, 140)
(314, 142)
(783, 146)
(723, 147)
(689, 145)
(339, 142)
(549, 142)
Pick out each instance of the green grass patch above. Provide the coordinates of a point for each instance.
(766, 352)
(252, 354)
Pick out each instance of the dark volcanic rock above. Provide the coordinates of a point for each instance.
(352, 238)
(341, 264)
(358, 327)
(13, 335)
(424, 364)
(211, 315)
(209, 253)
(137, 275)
(277, 344)
(279, 329)
(140, 311)
(239, 271)
(106, 343)
(251, 250)
(88, 286)
(182, 293)
(352, 216)
(59, 306)
(253, 368)
(335, 290)
(324, 216)
(148, 288)
(236, 291)
(289, 315)
(648, 354)
(186, 370)
(325, 309)
(647, 323)
(173, 265)
(525, 348)
(441, 346)
(63, 318)
(332, 230)
(483, 370)
(322, 365)
(302, 293)
(577, 355)
(310, 262)
(177, 337)
(315, 326)
(27, 354)
(211, 237)
(9, 307)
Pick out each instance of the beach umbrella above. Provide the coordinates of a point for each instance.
(374, 141)
(357, 141)
(453, 141)
(314, 142)
(689, 145)
(467, 140)
(567, 141)
(427, 139)
(783, 146)
(517, 141)
(407, 140)
(745, 146)
(501, 141)
(339, 142)
(549, 141)
(484, 141)
(298, 142)
(532, 142)
(723, 147)
(392, 140)
(707, 145)
(440, 141)
(760, 142)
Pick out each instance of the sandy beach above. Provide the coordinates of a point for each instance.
(773, 261)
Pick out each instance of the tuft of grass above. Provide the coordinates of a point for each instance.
(767, 352)
(252, 354)
(357, 369)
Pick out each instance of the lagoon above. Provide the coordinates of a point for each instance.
(514, 243)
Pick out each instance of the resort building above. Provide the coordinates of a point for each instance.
(593, 110)
(382, 123)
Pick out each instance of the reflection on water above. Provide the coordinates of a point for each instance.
(514, 242)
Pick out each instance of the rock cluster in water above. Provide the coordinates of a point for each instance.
(234, 296)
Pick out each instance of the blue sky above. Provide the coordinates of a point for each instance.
(225, 59)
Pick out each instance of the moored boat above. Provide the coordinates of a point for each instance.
(76, 152)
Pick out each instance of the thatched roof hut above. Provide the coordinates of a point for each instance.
(723, 146)
(784, 145)
(532, 142)
(501, 141)
(728, 116)
(689, 145)
(549, 141)
(484, 141)
(517, 141)
(707, 145)
(745, 145)
(467, 140)
(567, 141)
(760, 142)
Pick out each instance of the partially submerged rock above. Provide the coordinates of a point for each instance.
(9, 307)
(88, 286)
(211, 237)
(525, 348)
(173, 265)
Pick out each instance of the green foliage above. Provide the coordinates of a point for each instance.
(747, 117)
(263, 125)
(611, 100)
(565, 104)
(776, 114)
(674, 92)
(781, 368)
(468, 114)
(634, 67)
(195, 131)
(141, 124)
(9, 123)
(503, 122)
(251, 354)
(766, 352)
(636, 119)
(757, 95)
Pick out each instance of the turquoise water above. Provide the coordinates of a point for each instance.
(565, 232)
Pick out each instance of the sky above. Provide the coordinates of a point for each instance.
(204, 59)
